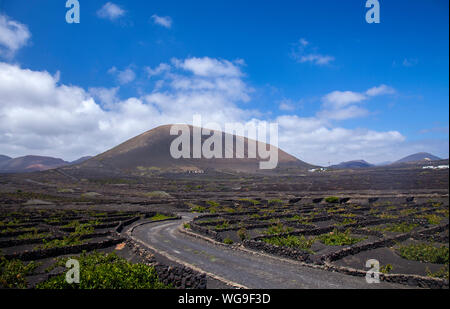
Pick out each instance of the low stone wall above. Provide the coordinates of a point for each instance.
(21, 242)
(178, 276)
(18, 233)
(412, 280)
(368, 246)
(242, 213)
(52, 252)
(16, 226)
(275, 250)
(98, 226)
(205, 216)
(212, 224)
(205, 231)
(299, 226)
(386, 242)
(122, 224)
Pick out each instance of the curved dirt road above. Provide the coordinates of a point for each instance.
(249, 270)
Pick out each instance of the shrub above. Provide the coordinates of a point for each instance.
(336, 238)
(33, 235)
(386, 269)
(197, 208)
(229, 210)
(432, 219)
(242, 233)
(158, 194)
(107, 271)
(295, 242)
(424, 252)
(346, 221)
(275, 202)
(332, 199)
(13, 273)
(228, 241)
(253, 202)
(212, 204)
(278, 229)
(441, 273)
(223, 225)
(159, 217)
(56, 243)
(72, 239)
(349, 215)
(387, 216)
(400, 227)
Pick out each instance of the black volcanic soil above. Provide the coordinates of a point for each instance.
(392, 193)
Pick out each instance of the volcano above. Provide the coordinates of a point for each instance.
(149, 153)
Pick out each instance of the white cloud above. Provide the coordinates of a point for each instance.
(40, 116)
(289, 105)
(13, 36)
(164, 21)
(123, 77)
(409, 62)
(303, 52)
(303, 42)
(339, 99)
(286, 106)
(343, 113)
(380, 90)
(209, 67)
(107, 96)
(161, 68)
(110, 11)
(312, 140)
(342, 105)
(316, 59)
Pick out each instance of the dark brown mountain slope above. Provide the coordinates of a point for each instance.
(30, 164)
(421, 156)
(150, 152)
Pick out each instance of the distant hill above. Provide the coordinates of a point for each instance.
(4, 158)
(421, 156)
(81, 160)
(384, 163)
(150, 153)
(30, 164)
(352, 164)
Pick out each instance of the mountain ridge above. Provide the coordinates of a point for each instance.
(33, 163)
(416, 157)
(352, 164)
(149, 152)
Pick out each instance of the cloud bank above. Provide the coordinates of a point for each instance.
(13, 36)
(164, 21)
(110, 11)
(38, 115)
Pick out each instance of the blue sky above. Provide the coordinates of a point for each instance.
(307, 65)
